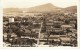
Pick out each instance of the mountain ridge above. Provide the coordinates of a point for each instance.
(42, 8)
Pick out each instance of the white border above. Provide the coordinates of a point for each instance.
(78, 20)
(37, 48)
(1, 24)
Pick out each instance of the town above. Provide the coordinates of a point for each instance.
(40, 29)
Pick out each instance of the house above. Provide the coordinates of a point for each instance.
(64, 27)
(65, 40)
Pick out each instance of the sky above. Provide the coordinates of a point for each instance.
(32, 3)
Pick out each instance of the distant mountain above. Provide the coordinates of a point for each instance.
(71, 9)
(12, 11)
(7, 10)
(44, 8)
(41, 8)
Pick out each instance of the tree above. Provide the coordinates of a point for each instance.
(67, 21)
(19, 32)
(57, 25)
(68, 30)
(76, 25)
